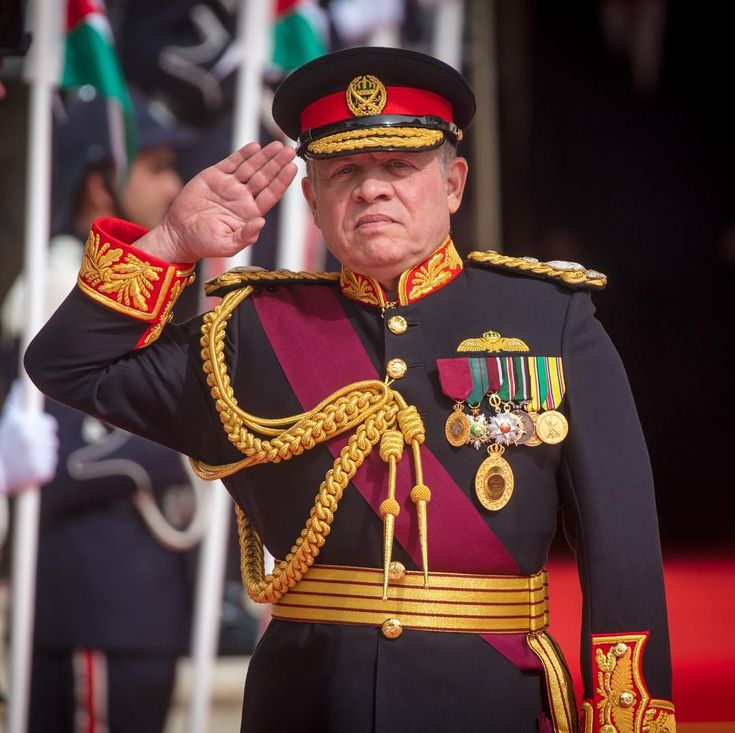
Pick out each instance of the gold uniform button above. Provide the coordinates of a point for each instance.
(397, 325)
(626, 699)
(392, 628)
(396, 571)
(396, 368)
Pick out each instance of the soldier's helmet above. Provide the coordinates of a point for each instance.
(82, 142)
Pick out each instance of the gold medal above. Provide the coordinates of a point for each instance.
(457, 427)
(494, 479)
(552, 427)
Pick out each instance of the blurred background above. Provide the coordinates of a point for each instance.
(603, 136)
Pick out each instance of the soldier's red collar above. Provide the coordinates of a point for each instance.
(436, 271)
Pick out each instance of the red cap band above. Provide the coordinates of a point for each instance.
(400, 101)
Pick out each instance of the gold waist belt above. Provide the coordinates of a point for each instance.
(494, 604)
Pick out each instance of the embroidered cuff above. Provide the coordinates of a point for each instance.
(128, 280)
(621, 701)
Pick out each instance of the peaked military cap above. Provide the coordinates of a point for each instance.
(373, 98)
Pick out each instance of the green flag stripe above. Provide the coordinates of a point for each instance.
(295, 42)
(90, 59)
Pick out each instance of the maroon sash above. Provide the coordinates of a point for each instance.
(320, 353)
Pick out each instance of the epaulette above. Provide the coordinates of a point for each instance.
(240, 277)
(570, 273)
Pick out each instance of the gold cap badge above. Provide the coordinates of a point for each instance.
(366, 95)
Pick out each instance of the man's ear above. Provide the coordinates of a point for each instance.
(307, 188)
(456, 180)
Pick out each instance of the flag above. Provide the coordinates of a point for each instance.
(89, 58)
(299, 34)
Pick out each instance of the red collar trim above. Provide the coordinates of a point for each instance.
(436, 271)
(399, 101)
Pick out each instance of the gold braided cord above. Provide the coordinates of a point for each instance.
(376, 137)
(583, 276)
(341, 411)
(288, 572)
(370, 406)
(246, 275)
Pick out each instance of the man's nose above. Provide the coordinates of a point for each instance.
(372, 186)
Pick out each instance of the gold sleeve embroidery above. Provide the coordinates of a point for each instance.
(122, 278)
(622, 703)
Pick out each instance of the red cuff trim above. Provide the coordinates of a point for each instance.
(400, 101)
(119, 231)
(128, 280)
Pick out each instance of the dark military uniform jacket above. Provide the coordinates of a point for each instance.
(114, 359)
(103, 580)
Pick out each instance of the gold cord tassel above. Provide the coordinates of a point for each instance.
(421, 495)
(391, 450)
(413, 431)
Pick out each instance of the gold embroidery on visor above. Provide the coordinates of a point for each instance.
(376, 137)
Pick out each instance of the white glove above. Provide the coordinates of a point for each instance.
(29, 445)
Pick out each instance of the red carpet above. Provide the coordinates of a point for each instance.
(701, 600)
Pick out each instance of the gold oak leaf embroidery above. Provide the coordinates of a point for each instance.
(615, 676)
(131, 281)
(358, 288)
(659, 721)
(97, 260)
(431, 275)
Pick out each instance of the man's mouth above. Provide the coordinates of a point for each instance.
(367, 220)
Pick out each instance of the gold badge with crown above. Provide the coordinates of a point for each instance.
(366, 95)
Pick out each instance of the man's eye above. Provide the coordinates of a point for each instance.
(397, 164)
(344, 170)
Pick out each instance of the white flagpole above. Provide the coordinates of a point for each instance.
(448, 28)
(253, 34)
(42, 70)
(486, 147)
(293, 225)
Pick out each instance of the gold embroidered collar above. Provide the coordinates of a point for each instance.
(436, 271)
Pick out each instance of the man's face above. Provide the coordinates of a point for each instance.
(151, 186)
(384, 212)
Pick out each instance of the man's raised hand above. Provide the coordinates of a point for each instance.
(221, 209)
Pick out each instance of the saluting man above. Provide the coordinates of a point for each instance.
(400, 435)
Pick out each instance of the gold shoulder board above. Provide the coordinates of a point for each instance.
(570, 273)
(254, 276)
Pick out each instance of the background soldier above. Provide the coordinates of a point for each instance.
(113, 603)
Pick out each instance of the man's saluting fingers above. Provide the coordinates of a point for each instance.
(270, 167)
